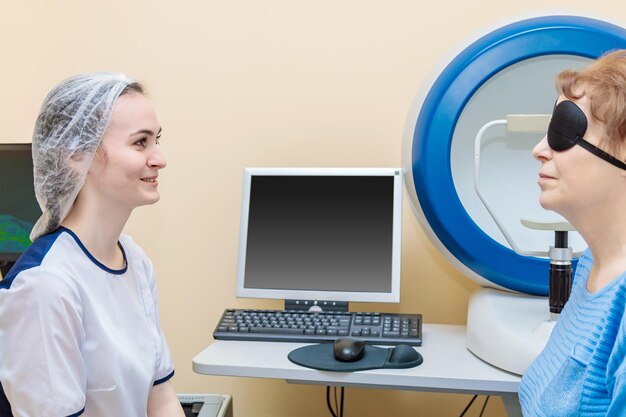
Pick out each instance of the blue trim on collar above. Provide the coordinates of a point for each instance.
(93, 259)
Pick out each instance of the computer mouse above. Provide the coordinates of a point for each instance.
(348, 350)
(403, 354)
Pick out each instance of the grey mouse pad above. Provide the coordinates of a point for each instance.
(321, 357)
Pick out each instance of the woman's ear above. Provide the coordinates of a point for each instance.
(81, 162)
(100, 155)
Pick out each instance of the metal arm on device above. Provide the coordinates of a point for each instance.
(560, 254)
(514, 123)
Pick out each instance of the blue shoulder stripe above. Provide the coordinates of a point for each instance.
(33, 257)
(5, 407)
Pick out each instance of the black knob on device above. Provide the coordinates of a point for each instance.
(560, 272)
(560, 286)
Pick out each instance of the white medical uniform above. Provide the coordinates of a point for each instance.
(76, 337)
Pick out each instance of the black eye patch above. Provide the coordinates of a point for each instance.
(567, 126)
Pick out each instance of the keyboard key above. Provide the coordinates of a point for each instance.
(275, 330)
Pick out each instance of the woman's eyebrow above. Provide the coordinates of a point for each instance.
(146, 132)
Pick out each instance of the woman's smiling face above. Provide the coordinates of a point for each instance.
(126, 168)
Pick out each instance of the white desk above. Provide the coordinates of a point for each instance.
(448, 367)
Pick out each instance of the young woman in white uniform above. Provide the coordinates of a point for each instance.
(79, 317)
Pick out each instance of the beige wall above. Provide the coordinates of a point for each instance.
(260, 83)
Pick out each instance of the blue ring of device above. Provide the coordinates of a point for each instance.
(434, 128)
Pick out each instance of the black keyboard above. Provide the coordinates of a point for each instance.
(317, 327)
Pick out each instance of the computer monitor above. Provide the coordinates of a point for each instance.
(321, 235)
(18, 207)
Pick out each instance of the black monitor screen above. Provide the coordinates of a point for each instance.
(18, 207)
(321, 234)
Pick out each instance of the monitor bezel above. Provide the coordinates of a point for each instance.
(350, 296)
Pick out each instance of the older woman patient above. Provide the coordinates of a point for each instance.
(581, 371)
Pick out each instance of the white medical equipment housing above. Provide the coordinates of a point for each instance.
(438, 160)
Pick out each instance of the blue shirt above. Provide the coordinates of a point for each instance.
(580, 372)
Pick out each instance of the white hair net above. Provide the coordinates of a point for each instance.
(68, 131)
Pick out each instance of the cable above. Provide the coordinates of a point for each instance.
(339, 407)
(469, 405)
(484, 405)
(338, 411)
(342, 396)
(330, 408)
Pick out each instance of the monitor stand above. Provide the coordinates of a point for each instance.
(5, 267)
(315, 305)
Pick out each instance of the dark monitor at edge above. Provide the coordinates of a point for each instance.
(18, 206)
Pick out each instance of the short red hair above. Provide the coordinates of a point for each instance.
(604, 83)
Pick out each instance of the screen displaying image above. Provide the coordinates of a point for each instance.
(18, 207)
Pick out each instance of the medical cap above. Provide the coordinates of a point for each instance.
(68, 131)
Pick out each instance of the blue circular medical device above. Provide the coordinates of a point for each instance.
(435, 125)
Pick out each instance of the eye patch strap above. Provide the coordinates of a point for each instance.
(601, 154)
